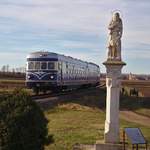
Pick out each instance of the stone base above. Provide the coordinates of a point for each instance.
(108, 146)
(98, 146)
(84, 147)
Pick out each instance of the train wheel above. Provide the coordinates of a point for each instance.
(36, 90)
(44, 90)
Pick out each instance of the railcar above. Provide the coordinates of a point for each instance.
(52, 71)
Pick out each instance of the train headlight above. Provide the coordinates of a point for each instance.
(52, 77)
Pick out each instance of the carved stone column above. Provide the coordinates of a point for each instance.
(113, 69)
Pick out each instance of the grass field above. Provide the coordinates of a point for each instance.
(74, 126)
(10, 84)
(86, 125)
(79, 118)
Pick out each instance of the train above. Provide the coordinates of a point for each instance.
(51, 71)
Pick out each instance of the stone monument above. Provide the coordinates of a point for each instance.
(113, 66)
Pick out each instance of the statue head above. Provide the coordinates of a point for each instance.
(116, 16)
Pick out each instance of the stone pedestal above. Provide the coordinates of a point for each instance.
(113, 69)
(108, 147)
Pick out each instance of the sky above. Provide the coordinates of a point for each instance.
(76, 28)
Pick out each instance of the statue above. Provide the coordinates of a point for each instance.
(114, 43)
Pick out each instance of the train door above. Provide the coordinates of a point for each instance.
(87, 73)
(63, 73)
(60, 72)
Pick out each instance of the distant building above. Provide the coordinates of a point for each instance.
(132, 77)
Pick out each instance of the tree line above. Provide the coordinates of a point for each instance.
(8, 68)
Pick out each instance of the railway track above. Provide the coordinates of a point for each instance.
(50, 95)
(43, 96)
(54, 99)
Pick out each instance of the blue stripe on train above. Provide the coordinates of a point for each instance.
(41, 77)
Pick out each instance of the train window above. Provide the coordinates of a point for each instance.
(43, 65)
(37, 65)
(31, 65)
(51, 65)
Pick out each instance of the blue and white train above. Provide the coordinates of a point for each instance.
(52, 71)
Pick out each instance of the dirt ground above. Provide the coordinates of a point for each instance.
(136, 118)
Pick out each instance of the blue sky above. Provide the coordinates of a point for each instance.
(77, 28)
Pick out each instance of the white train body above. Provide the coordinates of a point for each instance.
(46, 70)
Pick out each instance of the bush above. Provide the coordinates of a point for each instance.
(23, 125)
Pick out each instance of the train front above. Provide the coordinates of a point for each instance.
(41, 71)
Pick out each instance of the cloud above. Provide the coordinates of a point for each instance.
(75, 27)
(86, 16)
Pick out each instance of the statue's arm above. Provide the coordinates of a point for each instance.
(121, 28)
(111, 25)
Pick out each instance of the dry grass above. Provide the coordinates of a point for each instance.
(78, 107)
(11, 84)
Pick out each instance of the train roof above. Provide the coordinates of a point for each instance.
(46, 54)
(40, 54)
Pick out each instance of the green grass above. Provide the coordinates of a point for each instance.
(74, 126)
(80, 124)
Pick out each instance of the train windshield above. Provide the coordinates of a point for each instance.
(31, 65)
(51, 65)
(44, 65)
(37, 65)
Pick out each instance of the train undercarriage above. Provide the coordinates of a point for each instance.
(45, 87)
